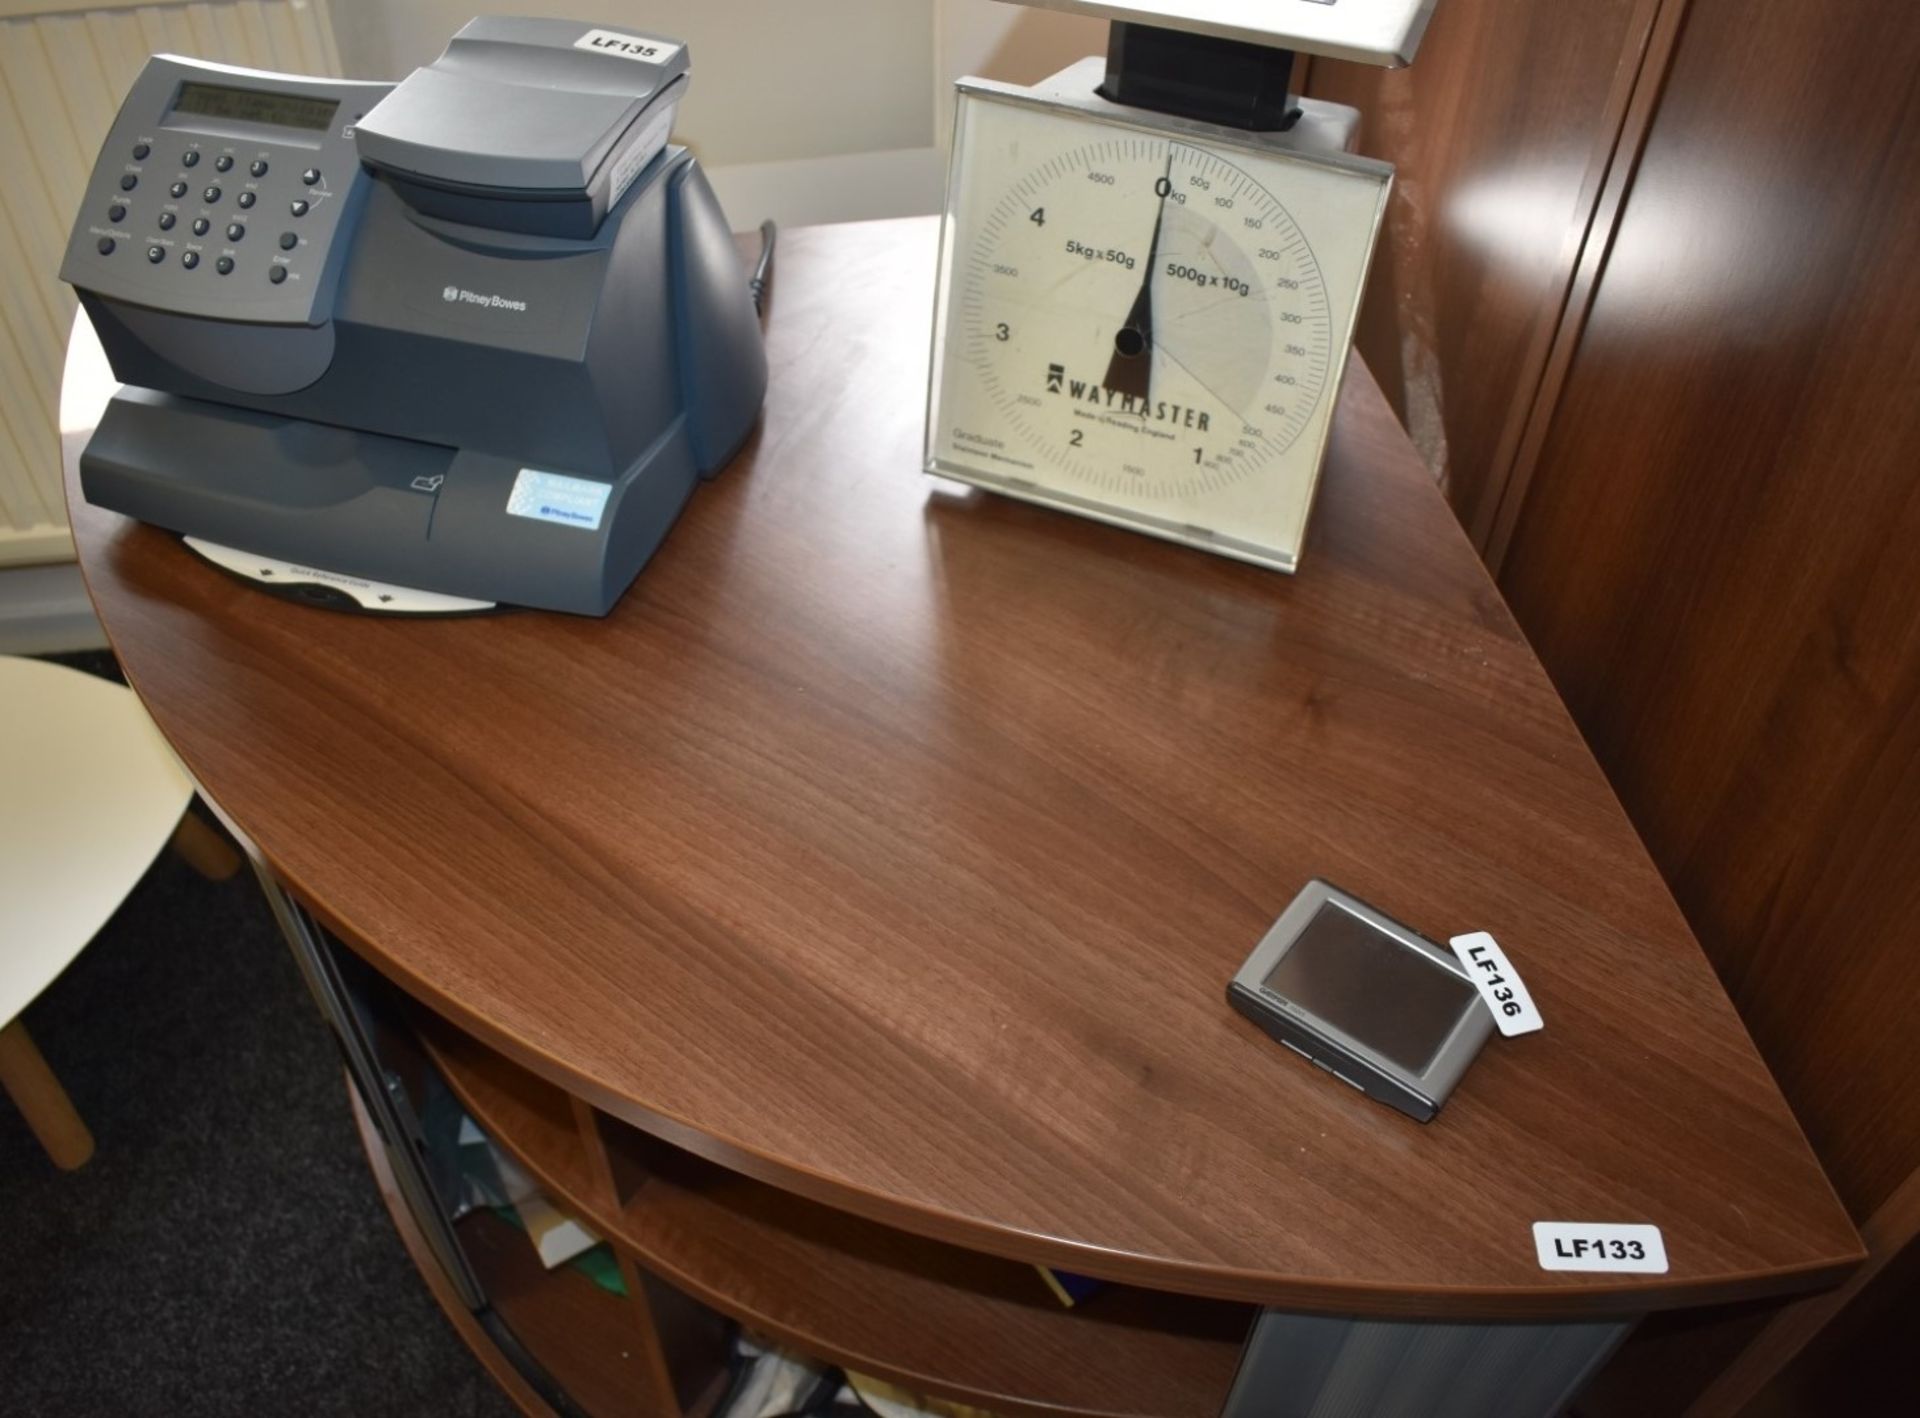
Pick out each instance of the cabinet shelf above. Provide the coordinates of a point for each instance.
(934, 1317)
(583, 1336)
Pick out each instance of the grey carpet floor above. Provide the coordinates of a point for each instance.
(225, 1251)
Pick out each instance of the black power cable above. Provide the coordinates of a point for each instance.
(763, 269)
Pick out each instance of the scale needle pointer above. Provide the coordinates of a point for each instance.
(1131, 368)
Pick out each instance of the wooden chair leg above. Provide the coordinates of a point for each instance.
(41, 1099)
(203, 849)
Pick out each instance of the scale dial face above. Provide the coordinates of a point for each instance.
(1145, 323)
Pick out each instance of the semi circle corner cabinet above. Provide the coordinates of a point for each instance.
(840, 928)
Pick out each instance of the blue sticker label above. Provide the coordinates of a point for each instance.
(554, 497)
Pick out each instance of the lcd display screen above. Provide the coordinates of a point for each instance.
(256, 106)
(1372, 988)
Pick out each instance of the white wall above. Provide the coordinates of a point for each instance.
(772, 81)
(1006, 42)
(802, 110)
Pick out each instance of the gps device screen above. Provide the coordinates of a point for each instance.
(1371, 987)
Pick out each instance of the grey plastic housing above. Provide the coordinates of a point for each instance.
(456, 357)
(1350, 1058)
(531, 125)
(184, 148)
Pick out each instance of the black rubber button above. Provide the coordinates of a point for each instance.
(166, 221)
(223, 265)
(310, 176)
(245, 199)
(106, 246)
(212, 194)
(277, 274)
(190, 158)
(117, 212)
(156, 254)
(222, 163)
(299, 207)
(189, 259)
(235, 231)
(140, 150)
(179, 189)
(288, 241)
(128, 182)
(200, 225)
(258, 167)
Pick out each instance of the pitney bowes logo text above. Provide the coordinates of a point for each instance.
(1082, 391)
(463, 296)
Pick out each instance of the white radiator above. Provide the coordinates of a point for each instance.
(63, 69)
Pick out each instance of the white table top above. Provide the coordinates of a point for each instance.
(89, 794)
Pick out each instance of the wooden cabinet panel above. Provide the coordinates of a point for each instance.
(1716, 558)
(1501, 132)
(1645, 299)
(1863, 1367)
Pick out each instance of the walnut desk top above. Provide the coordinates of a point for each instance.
(894, 843)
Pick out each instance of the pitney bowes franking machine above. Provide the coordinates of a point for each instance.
(473, 338)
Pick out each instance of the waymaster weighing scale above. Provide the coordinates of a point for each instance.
(1150, 268)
